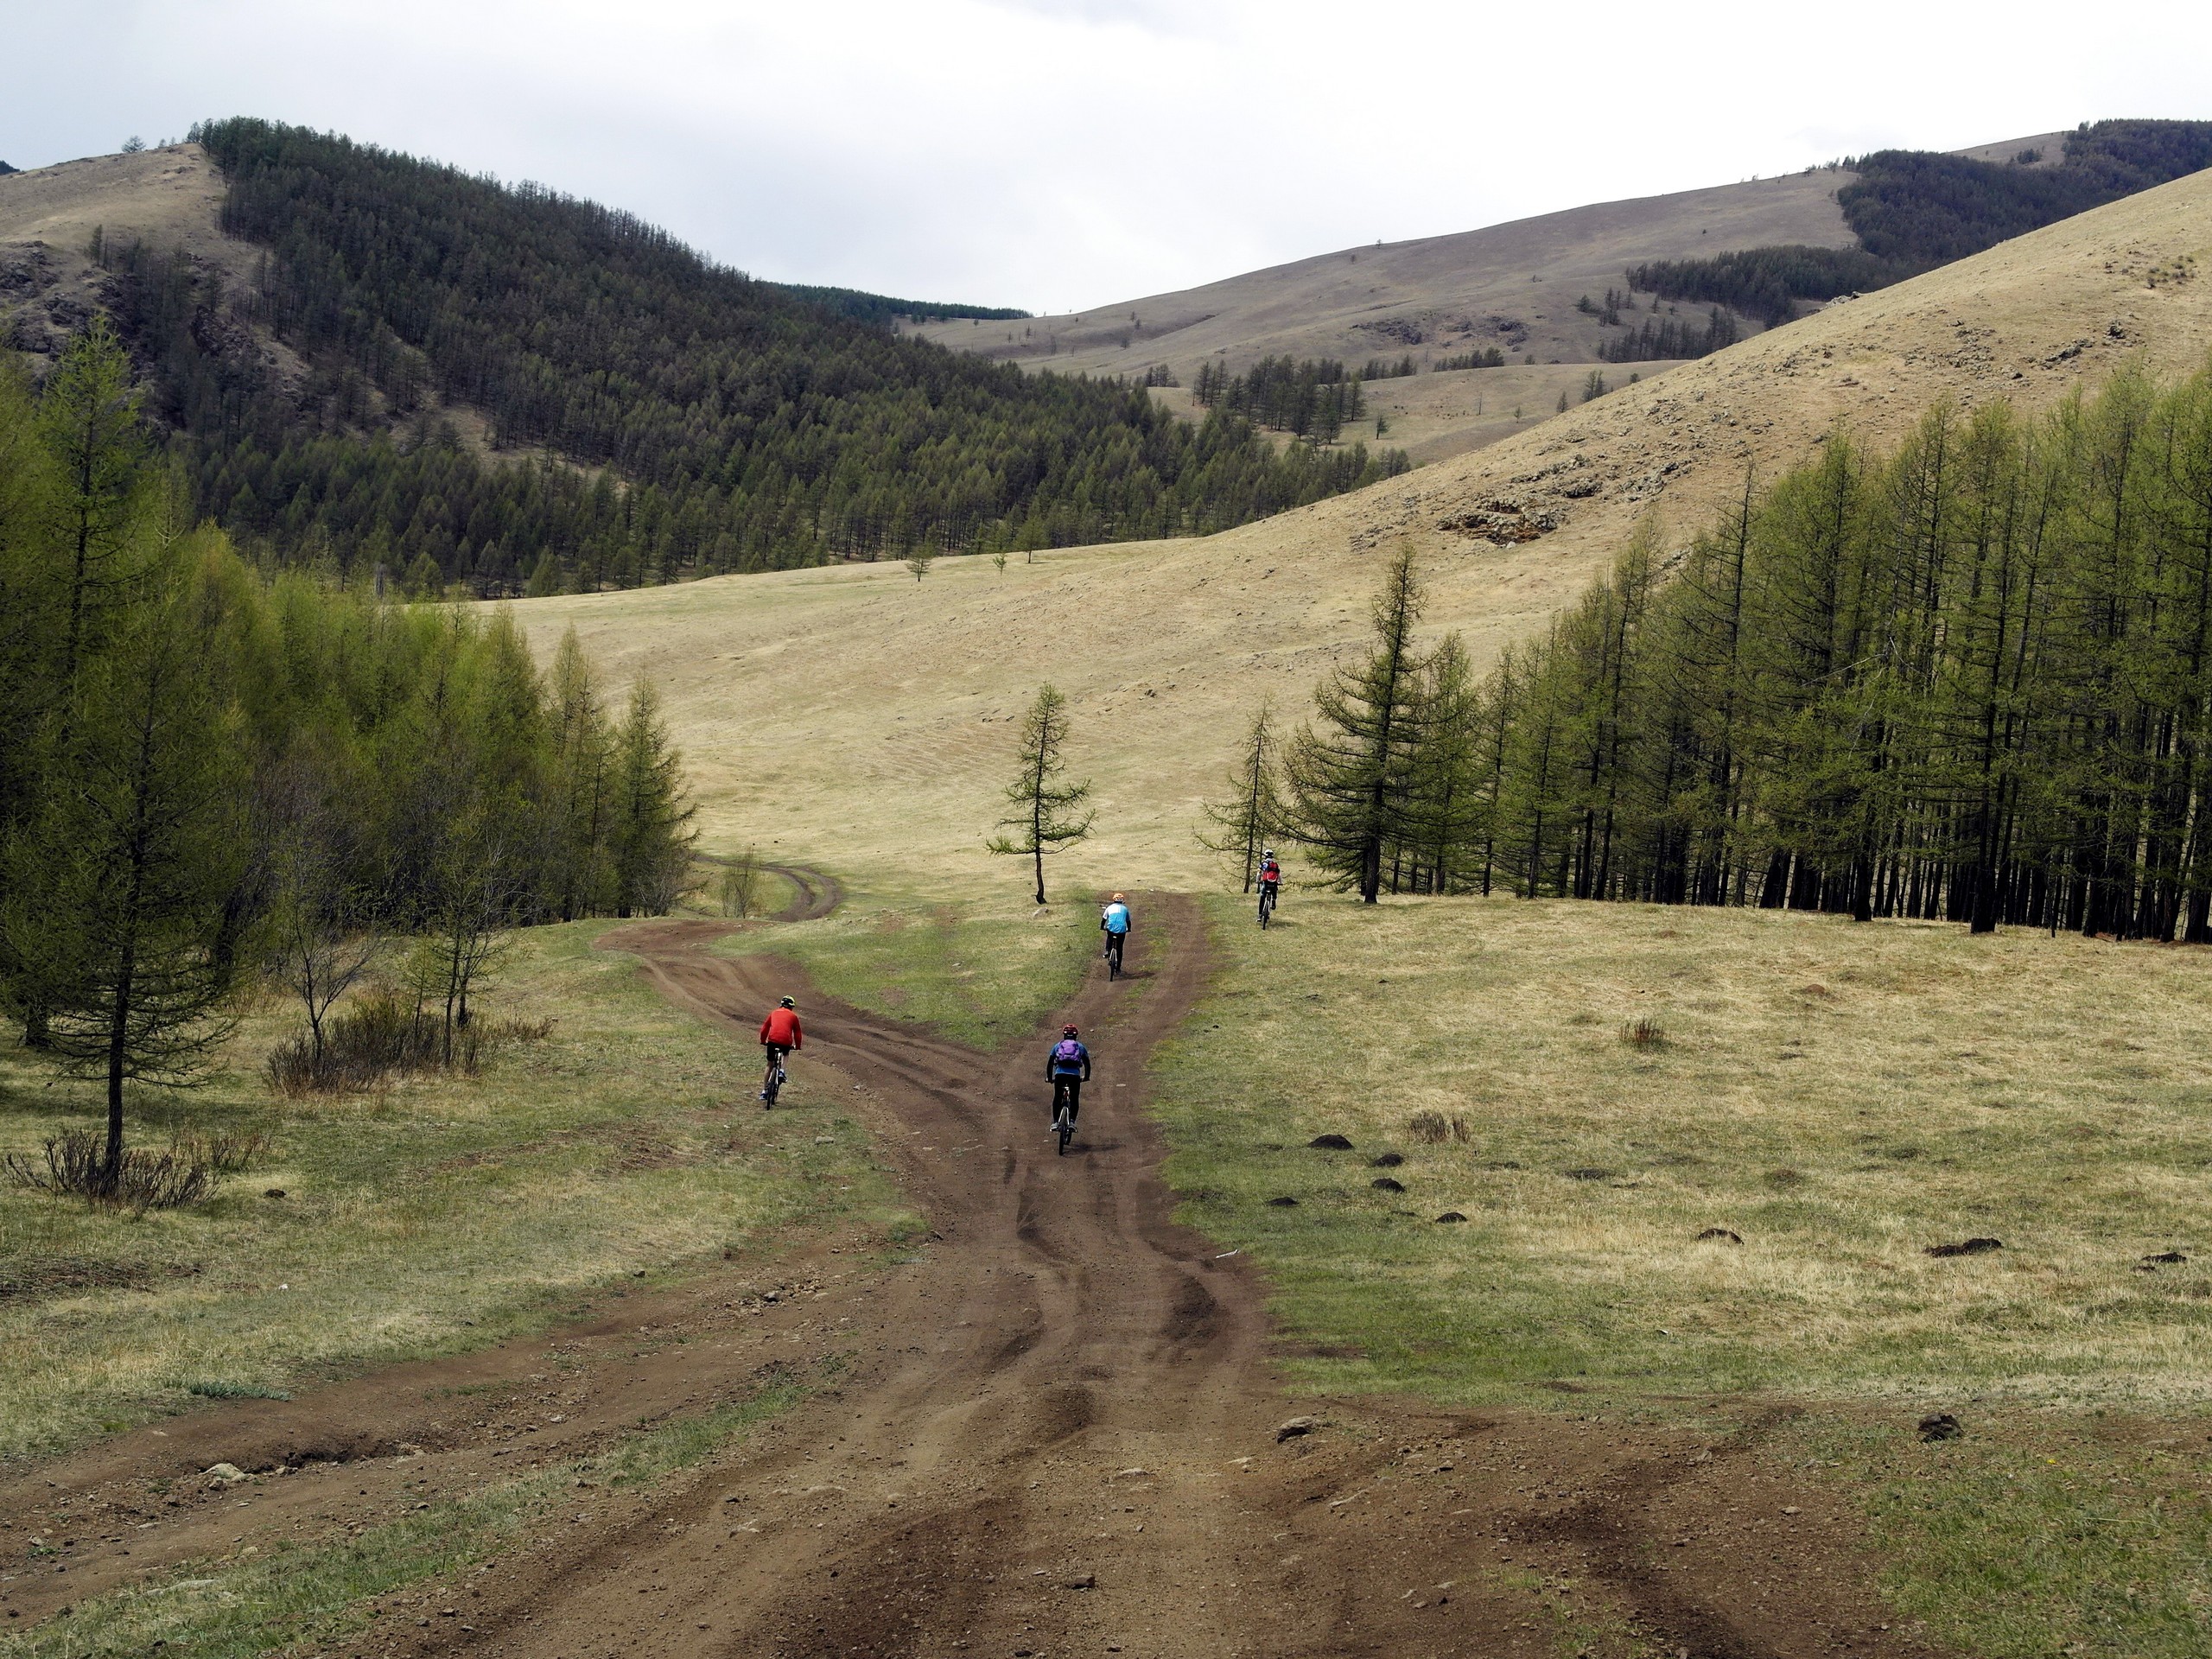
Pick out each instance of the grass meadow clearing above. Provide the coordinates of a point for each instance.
(1609, 1081)
(434, 1215)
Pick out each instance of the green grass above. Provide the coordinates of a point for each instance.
(428, 1217)
(1839, 1097)
(241, 1605)
(2040, 1534)
(982, 968)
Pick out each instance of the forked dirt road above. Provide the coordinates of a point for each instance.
(1058, 1435)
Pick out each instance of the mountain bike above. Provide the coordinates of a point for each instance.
(1063, 1113)
(771, 1082)
(1267, 903)
(1114, 943)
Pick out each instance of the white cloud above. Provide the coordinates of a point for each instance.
(1050, 153)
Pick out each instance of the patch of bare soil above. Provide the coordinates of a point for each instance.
(1058, 1433)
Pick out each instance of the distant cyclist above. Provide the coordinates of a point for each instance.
(1114, 921)
(1068, 1067)
(779, 1035)
(1270, 884)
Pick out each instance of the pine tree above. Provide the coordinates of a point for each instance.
(1348, 784)
(583, 781)
(1249, 813)
(651, 835)
(117, 890)
(1044, 819)
(88, 416)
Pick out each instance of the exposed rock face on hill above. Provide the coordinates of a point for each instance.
(2026, 322)
(50, 285)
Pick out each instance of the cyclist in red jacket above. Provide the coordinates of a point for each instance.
(779, 1035)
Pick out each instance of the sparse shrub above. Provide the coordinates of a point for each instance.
(1645, 1033)
(1433, 1129)
(234, 1391)
(741, 878)
(75, 1164)
(228, 1152)
(383, 1036)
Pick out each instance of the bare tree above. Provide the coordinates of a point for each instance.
(320, 940)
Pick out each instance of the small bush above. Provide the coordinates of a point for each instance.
(228, 1152)
(1646, 1032)
(1434, 1129)
(384, 1036)
(75, 1164)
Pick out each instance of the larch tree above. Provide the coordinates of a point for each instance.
(119, 888)
(1251, 810)
(1349, 781)
(1048, 815)
(652, 834)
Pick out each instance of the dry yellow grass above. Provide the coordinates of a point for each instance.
(1838, 1097)
(857, 716)
(1432, 296)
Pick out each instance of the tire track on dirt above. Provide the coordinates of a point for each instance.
(1058, 1434)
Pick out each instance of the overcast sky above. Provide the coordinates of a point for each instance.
(1059, 154)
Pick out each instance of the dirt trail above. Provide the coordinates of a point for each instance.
(1058, 1435)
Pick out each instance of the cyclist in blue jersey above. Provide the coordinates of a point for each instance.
(1114, 922)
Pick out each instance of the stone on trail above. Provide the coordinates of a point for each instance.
(1942, 1427)
(1384, 1184)
(1451, 1215)
(226, 1472)
(1084, 1581)
(1720, 1235)
(1296, 1427)
(1330, 1143)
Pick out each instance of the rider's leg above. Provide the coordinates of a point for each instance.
(1075, 1098)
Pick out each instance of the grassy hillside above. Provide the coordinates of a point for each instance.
(1914, 210)
(859, 716)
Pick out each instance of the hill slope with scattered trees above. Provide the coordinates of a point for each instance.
(684, 418)
(1913, 210)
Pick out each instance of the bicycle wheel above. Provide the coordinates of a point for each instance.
(771, 1086)
(1267, 907)
(1114, 959)
(1064, 1126)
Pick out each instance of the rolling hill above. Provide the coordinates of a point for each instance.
(1626, 282)
(324, 328)
(854, 713)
